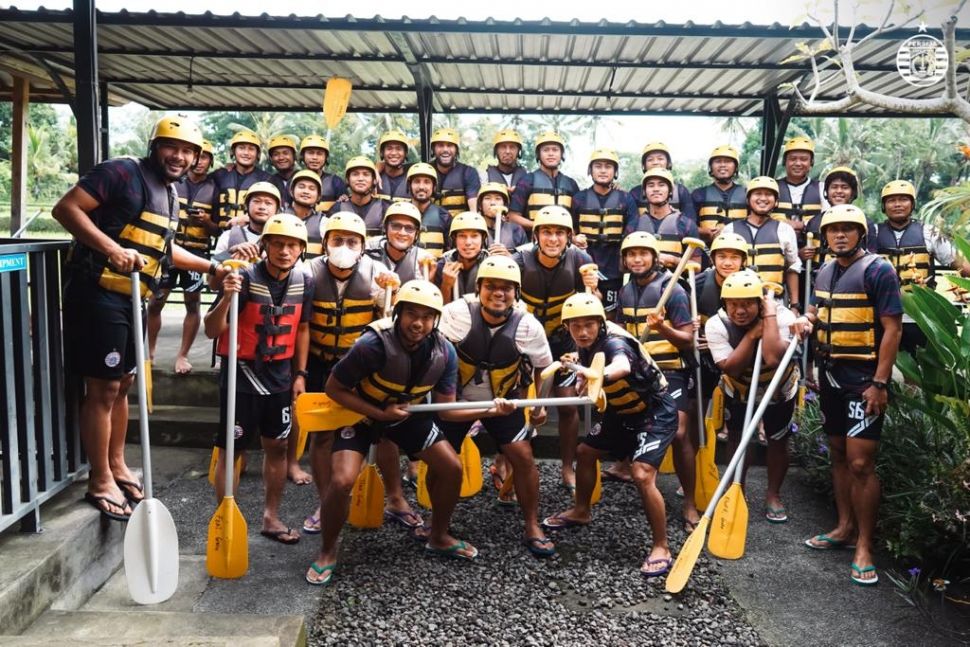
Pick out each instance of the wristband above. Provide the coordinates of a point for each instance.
(303, 374)
(213, 266)
(879, 384)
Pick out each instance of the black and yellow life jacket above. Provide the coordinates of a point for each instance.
(636, 302)
(643, 205)
(642, 388)
(339, 319)
(544, 290)
(738, 387)
(493, 174)
(332, 187)
(371, 213)
(399, 379)
(601, 221)
(231, 188)
(910, 249)
(669, 238)
(715, 209)
(492, 351)
(810, 206)
(313, 223)
(394, 189)
(846, 327)
(434, 230)
(451, 190)
(467, 279)
(547, 190)
(765, 255)
(197, 198)
(406, 268)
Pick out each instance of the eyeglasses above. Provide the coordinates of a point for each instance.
(401, 227)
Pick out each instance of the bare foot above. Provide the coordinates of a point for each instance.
(658, 562)
(296, 474)
(182, 365)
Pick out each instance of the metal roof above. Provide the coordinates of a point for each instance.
(210, 62)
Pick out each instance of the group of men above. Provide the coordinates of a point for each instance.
(401, 283)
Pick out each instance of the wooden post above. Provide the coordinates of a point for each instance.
(18, 169)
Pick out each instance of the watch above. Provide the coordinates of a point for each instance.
(882, 386)
(303, 374)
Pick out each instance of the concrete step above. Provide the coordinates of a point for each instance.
(173, 425)
(199, 388)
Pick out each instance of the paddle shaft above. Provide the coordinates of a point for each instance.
(230, 457)
(142, 382)
(749, 407)
(498, 226)
(670, 285)
(752, 426)
(697, 361)
(518, 404)
(808, 294)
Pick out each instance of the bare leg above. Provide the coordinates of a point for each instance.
(580, 511)
(274, 478)
(190, 328)
(685, 467)
(845, 529)
(389, 462)
(153, 320)
(320, 446)
(865, 490)
(97, 422)
(221, 475)
(443, 488)
(526, 484)
(777, 459)
(645, 477)
(568, 436)
(345, 467)
(293, 470)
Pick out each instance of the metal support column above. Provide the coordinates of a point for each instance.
(18, 162)
(425, 112)
(105, 140)
(774, 123)
(86, 85)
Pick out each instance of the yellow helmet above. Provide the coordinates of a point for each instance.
(841, 172)
(178, 127)
(494, 187)
(745, 284)
(762, 182)
(422, 168)
(844, 213)
(393, 136)
(662, 173)
(507, 137)
(604, 155)
(550, 137)
(798, 144)
(898, 187)
(314, 141)
(640, 239)
(652, 147)
(580, 305)
(500, 267)
(245, 137)
(446, 135)
(207, 147)
(265, 188)
(422, 293)
(729, 152)
(468, 220)
(729, 240)
(345, 221)
(406, 209)
(306, 174)
(282, 140)
(285, 224)
(553, 215)
(360, 161)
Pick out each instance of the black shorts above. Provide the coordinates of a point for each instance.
(844, 411)
(644, 437)
(319, 373)
(502, 429)
(98, 340)
(190, 282)
(610, 289)
(679, 386)
(267, 416)
(776, 421)
(413, 435)
(561, 343)
(913, 338)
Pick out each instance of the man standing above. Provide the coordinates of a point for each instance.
(859, 325)
(397, 249)
(435, 221)
(656, 155)
(314, 153)
(457, 270)
(232, 183)
(544, 186)
(799, 196)
(457, 183)
(196, 194)
(723, 200)
(241, 241)
(282, 155)
(493, 203)
(662, 219)
(361, 175)
(393, 150)
(305, 190)
(123, 215)
(507, 148)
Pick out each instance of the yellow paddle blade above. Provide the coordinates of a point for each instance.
(301, 441)
(367, 499)
(597, 487)
(530, 394)
(317, 412)
(227, 547)
(212, 465)
(667, 464)
(707, 476)
(148, 385)
(715, 410)
(729, 529)
(595, 387)
(508, 485)
(684, 564)
(471, 468)
(336, 98)
(424, 498)
(801, 396)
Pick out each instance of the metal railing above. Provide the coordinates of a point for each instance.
(40, 445)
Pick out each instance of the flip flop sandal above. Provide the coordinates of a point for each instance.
(497, 480)
(872, 581)
(508, 500)
(666, 561)
(278, 535)
(558, 522)
(404, 518)
(689, 526)
(325, 571)
(453, 551)
(824, 542)
(95, 502)
(776, 515)
(540, 546)
(134, 492)
(422, 532)
(312, 525)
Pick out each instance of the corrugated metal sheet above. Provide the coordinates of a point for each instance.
(281, 63)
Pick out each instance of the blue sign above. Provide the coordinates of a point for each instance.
(13, 262)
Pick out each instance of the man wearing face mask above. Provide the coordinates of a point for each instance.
(507, 147)
(305, 194)
(233, 183)
(314, 153)
(435, 221)
(457, 270)
(361, 175)
(668, 225)
(723, 199)
(396, 250)
(656, 155)
(457, 183)
(544, 186)
(393, 149)
(242, 241)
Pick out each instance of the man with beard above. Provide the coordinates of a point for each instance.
(656, 155)
(507, 148)
(544, 186)
(242, 241)
(435, 221)
(197, 194)
(361, 175)
(393, 150)
(662, 220)
(457, 269)
(671, 334)
(550, 275)
(314, 153)
(123, 214)
(497, 344)
(772, 247)
(282, 155)
(233, 182)
(457, 183)
(397, 249)
(305, 189)
(601, 214)
(493, 202)
(723, 199)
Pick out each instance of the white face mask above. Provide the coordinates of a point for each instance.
(342, 257)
